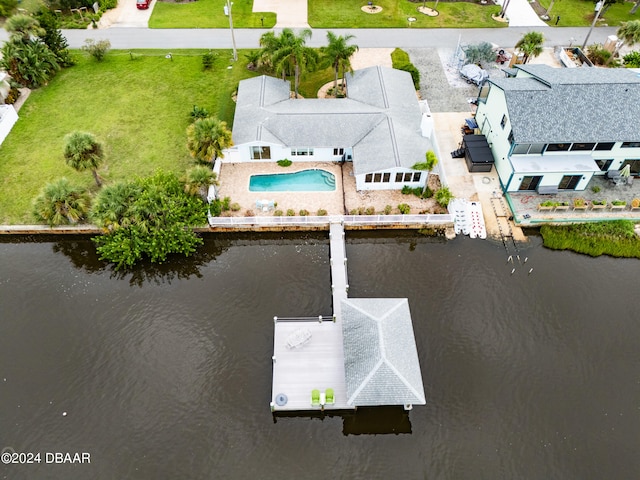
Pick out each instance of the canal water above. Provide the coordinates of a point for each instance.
(165, 373)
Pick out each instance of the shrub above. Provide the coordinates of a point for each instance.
(198, 113)
(632, 60)
(226, 204)
(599, 55)
(285, 162)
(7, 6)
(215, 207)
(400, 61)
(388, 209)
(598, 202)
(278, 213)
(235, 207)
(404, 208)
(415, 74)
(444, 196)
(579, 202)
(207, 60)
(370, 211)
(481, 52)
(595, 189)
(303, 213)
(618, 203)
(291, 212)
(427, 193)
(97, 50)
(249, 213)
(353, 211)
(321, 213)
(616, 238)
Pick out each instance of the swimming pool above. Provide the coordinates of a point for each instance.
(314, 180)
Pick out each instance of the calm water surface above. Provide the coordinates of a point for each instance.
(166, 372)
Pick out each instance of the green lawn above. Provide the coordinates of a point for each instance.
(209, 14)
(348, 14)
(579, 13)
(139, 110)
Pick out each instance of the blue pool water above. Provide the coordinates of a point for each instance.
(314, 180)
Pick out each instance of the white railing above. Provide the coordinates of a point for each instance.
(441, 219)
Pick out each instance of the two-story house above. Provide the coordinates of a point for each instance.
(553, 129)
(381, 127)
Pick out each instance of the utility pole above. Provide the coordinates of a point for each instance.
(599, 6)
(233, 37)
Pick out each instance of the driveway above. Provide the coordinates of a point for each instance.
(126, 15)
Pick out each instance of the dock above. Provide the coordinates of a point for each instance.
(308, 352)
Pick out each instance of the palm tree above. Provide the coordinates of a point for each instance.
(531, 45)
(61, 203)
(198, 180)
(23, 27)
(629, 33)
(293, 53)
(340, 55)
(207, 138)
(83, 152)
(111, 206)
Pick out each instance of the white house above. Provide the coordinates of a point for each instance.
(379, 127)
(553, 129)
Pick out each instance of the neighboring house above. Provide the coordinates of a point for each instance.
(380, 127)
(553, 129)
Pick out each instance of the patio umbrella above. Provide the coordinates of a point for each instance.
(626, 171)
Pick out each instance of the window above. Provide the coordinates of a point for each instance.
(368, 178)
(260, 153)
(604, 164)
(634, 163)
(377, 178)
(569, 182)
(399, 177)
(386, 177)
(530, 183)
(582, 146)
(338, 152)
(416, 176)
(558, 147)
(407, 177)
(503, 122)
(630, 145)
(537, 148)
(604, 146)
(301, 151)
(484, 93)
(520, 149)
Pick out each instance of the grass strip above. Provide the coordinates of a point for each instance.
(209, 14)
(616, 238)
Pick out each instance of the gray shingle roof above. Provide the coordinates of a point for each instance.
(563, 105)
(380, 119)
(380, 356)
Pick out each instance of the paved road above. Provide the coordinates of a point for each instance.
(124, 38)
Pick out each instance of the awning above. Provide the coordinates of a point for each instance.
(477, 149)
(552, 163)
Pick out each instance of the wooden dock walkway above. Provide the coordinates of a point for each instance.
(339, 283)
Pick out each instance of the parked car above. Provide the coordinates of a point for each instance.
(143, 4)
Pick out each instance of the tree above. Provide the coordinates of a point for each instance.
(52, 37)
(60, 203)
(339, 53)
(23, 27)
(481, 52)
(531, 45)
(147, 218)
(97, 50)
(207, 138)
(24, 56)
(271, 43)
(629, 33)
(289, 52)
(83, 152)
(198, 180)
(7, 6)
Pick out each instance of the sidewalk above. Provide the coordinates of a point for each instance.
(289, 13)
(520, 14)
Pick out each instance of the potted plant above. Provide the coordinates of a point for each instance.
(579, 204)
(618, 205)
(562, 205)
(598, 204)
(635, 204)
(546, 205)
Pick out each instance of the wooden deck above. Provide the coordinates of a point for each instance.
(318, 363)
(308, 353)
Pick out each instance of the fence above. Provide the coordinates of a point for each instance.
(315, 221)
